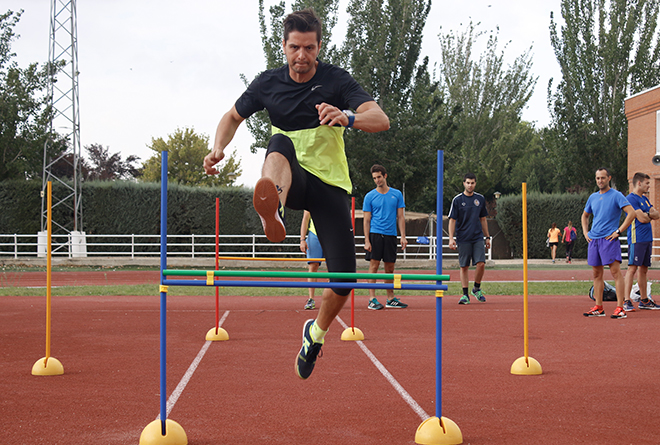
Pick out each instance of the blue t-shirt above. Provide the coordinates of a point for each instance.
(639, 232)
(606, 208)
(383, 208)
(468, 211)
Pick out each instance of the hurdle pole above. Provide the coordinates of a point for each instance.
(438, 430)
(217, 262)
(48, 365)
(353, 290)
(163, 431)
(525, 365)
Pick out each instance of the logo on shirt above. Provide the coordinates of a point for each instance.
(476, 202)
(316, 86)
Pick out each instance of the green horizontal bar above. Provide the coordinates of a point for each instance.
(277, 274)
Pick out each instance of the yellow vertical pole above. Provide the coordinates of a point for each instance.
(525, 287)
(49, 228)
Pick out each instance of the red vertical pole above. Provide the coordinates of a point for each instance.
(353, 290)
(217, 254)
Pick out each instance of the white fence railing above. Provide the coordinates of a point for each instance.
(192, 246)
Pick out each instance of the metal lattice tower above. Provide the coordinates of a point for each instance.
(63, 168)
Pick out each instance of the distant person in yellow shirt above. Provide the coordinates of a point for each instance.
(553, 237)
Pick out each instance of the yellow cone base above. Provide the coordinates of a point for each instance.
(221, 335)
(434, 431)
(352, 334)
(152, 434)
(48, 366)
(527, 366)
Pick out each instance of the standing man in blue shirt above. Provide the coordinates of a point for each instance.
(383, 210)
(603, 238)
(467, 220)
(640, 242)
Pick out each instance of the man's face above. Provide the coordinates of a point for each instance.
(469, 185)
(644, 186)
(379, 179)
(301, 51)
(602, 179)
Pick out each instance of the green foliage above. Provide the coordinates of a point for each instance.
(106, 167)
(607, 50)
(186, 152)
(486, 100)
(543, 209)
(24, 111)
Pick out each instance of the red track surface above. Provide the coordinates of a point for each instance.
(598, 384)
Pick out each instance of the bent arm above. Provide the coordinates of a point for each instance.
(223, 136)
(371, 118)
(401, 220)
(585, 225)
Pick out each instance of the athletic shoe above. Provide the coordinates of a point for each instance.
(266, 201)
(619, 313)
(595, 312)
(478, 294)
(650, 305)
(308, 353)
(464, 300)
(628, 306)
(375, 305)
(310, 304)
(396, 303)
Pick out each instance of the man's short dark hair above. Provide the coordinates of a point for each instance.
(305, 20)
(639, 177)
(470, 176)
(378, 168)
(607, 170)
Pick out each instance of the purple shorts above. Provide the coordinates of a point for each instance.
(603, 252)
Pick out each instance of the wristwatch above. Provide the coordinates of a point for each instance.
(618, 232)
(351, 117)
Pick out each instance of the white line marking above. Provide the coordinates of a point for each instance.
(390, 378)
(191, 370)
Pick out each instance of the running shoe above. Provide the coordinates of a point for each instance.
(266, 201)
(396, 303)
(478, 294)
(464, 300)
(375, 305)
(628, 306)
(310, 304)
(595, 312)
(308, 353)
(619, 313)
(649, 305)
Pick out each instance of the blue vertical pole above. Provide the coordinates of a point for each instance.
(438, 301)
(163, 295)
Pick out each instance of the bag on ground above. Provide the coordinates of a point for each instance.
(635, 294)
(609, 292)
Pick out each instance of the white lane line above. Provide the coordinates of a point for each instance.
(390, 378)
(189, 373)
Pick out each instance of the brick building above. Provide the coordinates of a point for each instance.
(643, 114)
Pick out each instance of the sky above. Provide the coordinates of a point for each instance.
(148, 67)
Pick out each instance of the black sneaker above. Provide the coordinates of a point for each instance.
(308, 353)
(374, 305)
(396, 303)
(266, 201)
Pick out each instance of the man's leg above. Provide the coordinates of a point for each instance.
(389, 268)
(276, 168)
(373, 268)
(479, 272)
(330, 308)
(312, 267)
(630, 277)
(464, 276)
(615, 269)
(642, 282)
(599, 284)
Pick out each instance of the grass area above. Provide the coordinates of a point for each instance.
(494, 288)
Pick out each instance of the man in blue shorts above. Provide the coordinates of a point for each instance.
(604, 247)
(467, 220)
(311, 247)
(383, 210)
(310, 104)
(640, 242)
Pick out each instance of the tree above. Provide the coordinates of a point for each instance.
(485, 100)
(106, 167)
(186, 155)
(24, 111)
(607, 50)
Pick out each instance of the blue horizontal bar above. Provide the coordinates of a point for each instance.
(306, 284)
